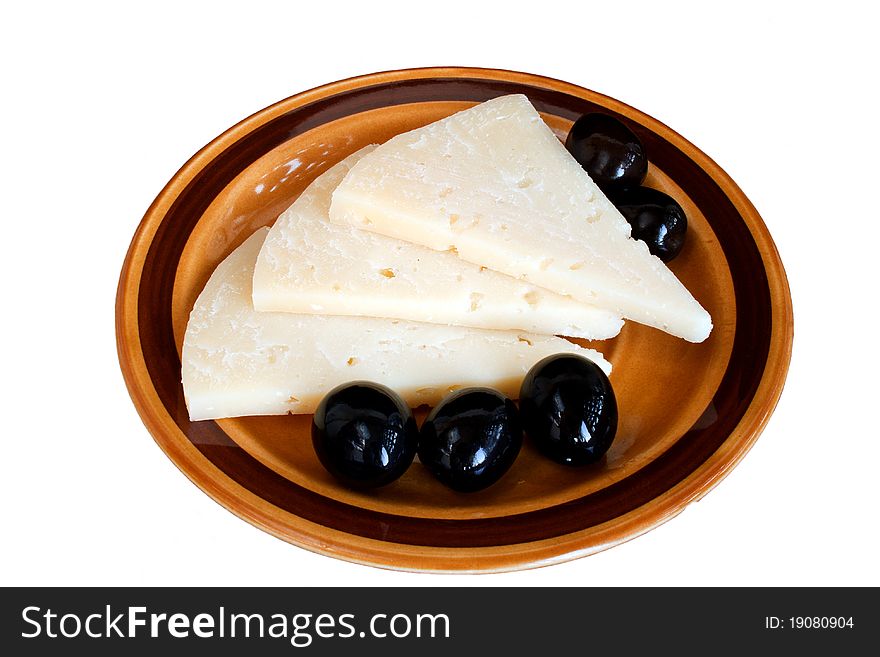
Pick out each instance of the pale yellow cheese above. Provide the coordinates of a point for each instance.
(494, 185)
(237, 361)
(309, 265)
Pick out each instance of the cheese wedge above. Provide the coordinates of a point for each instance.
(309, 265)
(495, 185)
(237, 361)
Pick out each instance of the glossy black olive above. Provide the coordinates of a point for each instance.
(607, 150)
(471, 438)
(364, 434)
(568, 409)
(656, 219)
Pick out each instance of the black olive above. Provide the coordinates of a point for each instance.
(471, 438)
(568, 409)
(607, 150)
(656, 219)
(364, 434)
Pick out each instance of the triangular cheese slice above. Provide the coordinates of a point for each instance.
(309, 265)
(495, 185)
(237, 361)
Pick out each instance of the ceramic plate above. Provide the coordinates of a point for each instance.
(688, 413)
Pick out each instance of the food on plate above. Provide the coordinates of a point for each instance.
(237, 361)
(569, 409)
(656, 219)
(471, 438)
(364, 434)
(495, 186)
(309, 265)
(607, 150)
(396, 276)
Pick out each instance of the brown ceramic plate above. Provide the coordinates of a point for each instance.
(688, 413)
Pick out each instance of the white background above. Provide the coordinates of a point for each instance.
(103, 103)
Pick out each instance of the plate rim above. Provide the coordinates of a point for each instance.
(317, 538)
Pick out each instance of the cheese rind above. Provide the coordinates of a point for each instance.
(310, 265)
(237, 361)
(494, 184)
